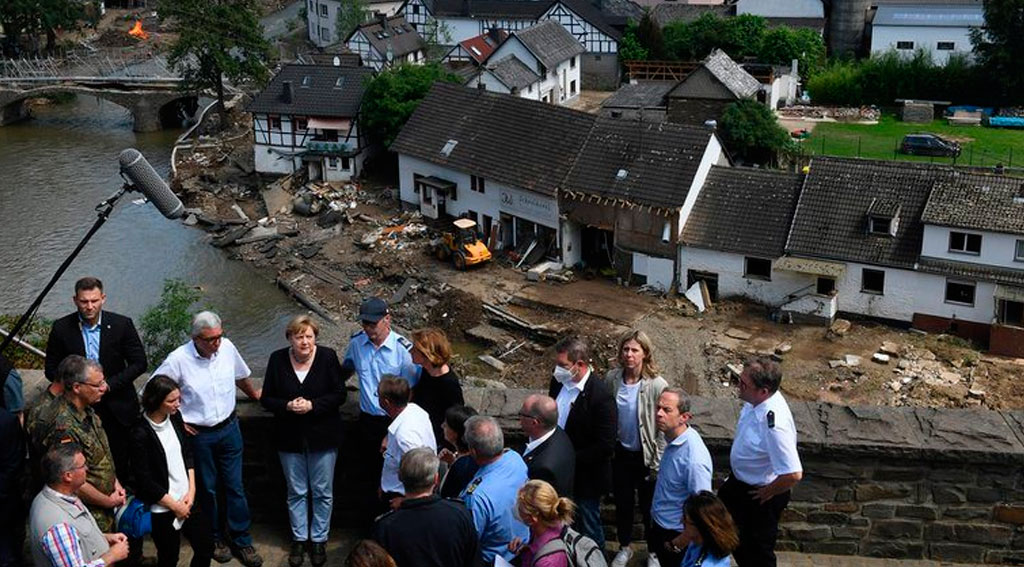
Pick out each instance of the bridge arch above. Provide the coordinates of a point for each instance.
(151, 109)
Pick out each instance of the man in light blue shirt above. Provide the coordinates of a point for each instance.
(685, 469)
(373, 353)
(491, 495)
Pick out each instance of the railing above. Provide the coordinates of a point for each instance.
(323, 147)
(799, 293)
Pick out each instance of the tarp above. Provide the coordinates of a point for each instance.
(808, 266)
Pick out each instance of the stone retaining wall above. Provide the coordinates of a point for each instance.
(881, 482)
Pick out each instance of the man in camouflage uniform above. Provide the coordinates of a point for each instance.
(38, 419)
(74, 421)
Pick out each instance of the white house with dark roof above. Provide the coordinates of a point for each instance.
(587, 190)
(385, 41)
(322, 18)
(541, 62)
(308, 116)
(941, 29)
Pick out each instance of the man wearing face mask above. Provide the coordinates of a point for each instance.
(587, 413)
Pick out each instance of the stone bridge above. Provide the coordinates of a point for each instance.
(149, 100)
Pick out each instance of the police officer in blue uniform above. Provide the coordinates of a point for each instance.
(764, 463)
(491, 495)
(374, 352)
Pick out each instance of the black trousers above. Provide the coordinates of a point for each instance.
(120, 450)
(372, 430)
(197, 529)
(758, 523)
(630, 481)
(657, 537)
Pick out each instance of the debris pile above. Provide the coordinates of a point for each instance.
(836, 113)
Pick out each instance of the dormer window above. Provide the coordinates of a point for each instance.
(879, 225)
(306, 81)
(883, 217)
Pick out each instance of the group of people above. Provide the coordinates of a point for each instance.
(440, 487)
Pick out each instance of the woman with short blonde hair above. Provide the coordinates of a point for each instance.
(637, 385)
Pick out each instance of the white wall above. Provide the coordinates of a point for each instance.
(713, 155)
(731, 282)
(781, 8)
(512, 46)
(997, 249)
(314, 21)
(660, 272)
(455, 30)
(572, 244)
(884, 38)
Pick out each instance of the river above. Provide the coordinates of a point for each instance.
(54, 169)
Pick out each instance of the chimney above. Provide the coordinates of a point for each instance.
(495, 34)
(795, 71)
(289, 93)
(382, 18)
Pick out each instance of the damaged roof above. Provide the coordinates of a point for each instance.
(665, 13)
(394, 32)
(979, 202)
(744, 210)
(515, 141)
(649, 163)
(831, 218)
(549, 43)
(644, 94)
(717, 77)
(512, 72)
(317, 90)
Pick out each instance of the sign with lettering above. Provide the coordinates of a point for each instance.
(534, 207)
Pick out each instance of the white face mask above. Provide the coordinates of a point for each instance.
(562, 375)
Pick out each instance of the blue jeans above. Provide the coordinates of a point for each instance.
(218, 457)
(588, 519)
(305, 473)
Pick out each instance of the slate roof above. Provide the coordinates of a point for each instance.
(831, 215)
(972, 271)
(646, 94)
(512, 72)
(669, 12)
(515, 141)
(549, 42)
(718, 70)
(401, 36)
(979, 202)
(929, 15)
(659, 161)
(744, 210)
(594, 15)
(322, 96)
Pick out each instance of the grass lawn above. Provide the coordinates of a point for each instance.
(980, 145)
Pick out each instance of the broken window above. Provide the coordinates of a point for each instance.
(960, 292)
(1011, 312)
(825, 286)
(872, 281)
(758, 269)
(964, 243)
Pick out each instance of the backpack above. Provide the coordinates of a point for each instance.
(580, 549)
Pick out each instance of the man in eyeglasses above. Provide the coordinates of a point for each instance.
(374, 352)
(208, 368)
(549, 454)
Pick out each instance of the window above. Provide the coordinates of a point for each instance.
(345, 163)
(1019, 254)
(572, 62)
(452, 194)
(428, 195)
(946, 46)
(872, 281)
(301, 124)
(880, 225)
(825, 286)
(332, 162)
(758, 269)
(274, 122)
(529, 88)
(904, 45)
(1011, 312)
(323, 10)
(597, 58)
(572, 88)
(960, 292)
(964, 243)
(471, 215)
(476, 183)
(325, 34)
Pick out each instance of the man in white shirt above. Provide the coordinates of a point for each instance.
(549, 454)
(410, 428)
(764, 462)
(209, 368)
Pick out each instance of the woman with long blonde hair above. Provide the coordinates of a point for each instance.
(546, 514)
(637, 385)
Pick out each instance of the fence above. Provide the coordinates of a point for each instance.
(971, 155)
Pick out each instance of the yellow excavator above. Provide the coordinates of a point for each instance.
(463, 246)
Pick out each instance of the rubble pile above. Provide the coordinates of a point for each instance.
(837, 113)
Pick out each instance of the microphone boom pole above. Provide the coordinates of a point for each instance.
(103, 211)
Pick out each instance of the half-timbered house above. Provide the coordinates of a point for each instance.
(384, 42)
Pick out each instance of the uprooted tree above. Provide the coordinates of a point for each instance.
(218, 40)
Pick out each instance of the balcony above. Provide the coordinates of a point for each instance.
(329, 149)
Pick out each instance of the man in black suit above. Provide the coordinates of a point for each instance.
(587, 413)
(111, 340)
(549, 454)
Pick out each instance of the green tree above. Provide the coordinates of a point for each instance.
(394, 93)
(749, 131)
(630, 47)
(999, 46)
(17, 18)
(781, 45)
(167, 325)
(649, 34)
(218, 40)
(739, 36)
(350, 15)
(56, 16)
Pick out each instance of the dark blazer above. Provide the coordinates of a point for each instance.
(591, 426)
(149, 461)
(554, 461)
(121, 354)
(319, 429)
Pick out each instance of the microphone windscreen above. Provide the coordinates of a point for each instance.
(146, 180)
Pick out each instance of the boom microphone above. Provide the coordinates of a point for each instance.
(145, 180)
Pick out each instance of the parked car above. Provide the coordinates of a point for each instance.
(929, 145)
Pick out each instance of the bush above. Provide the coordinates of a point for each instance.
(35, 333)
(167, 325)
(750, 131)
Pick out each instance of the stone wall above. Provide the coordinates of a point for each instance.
(881, 482)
